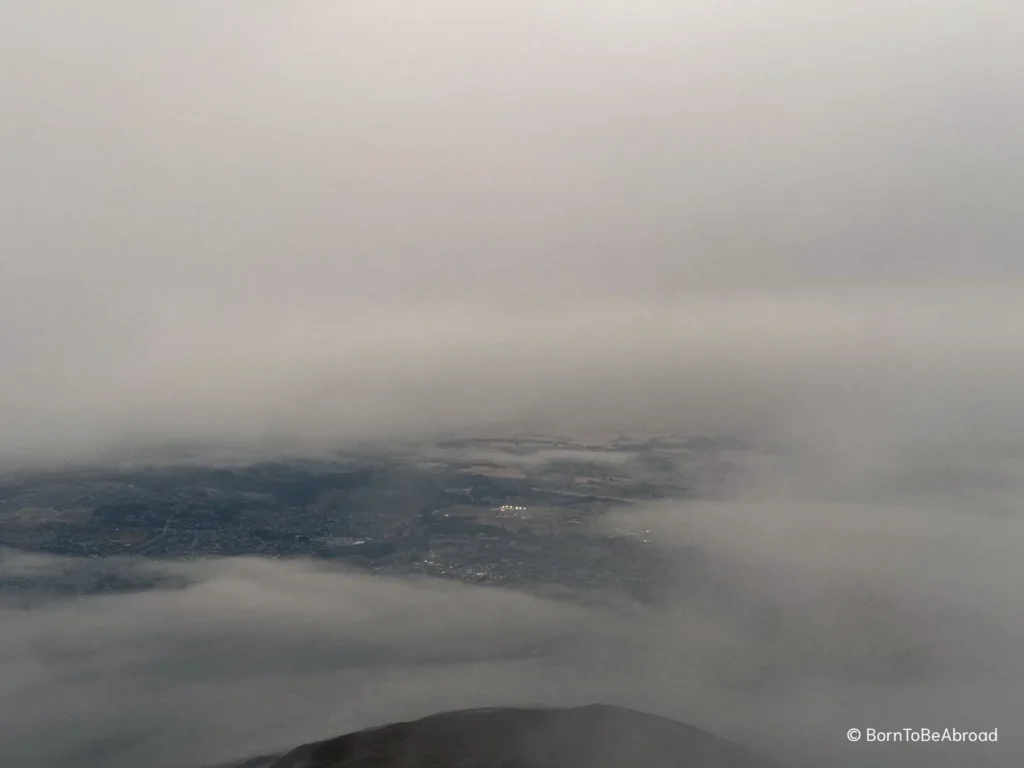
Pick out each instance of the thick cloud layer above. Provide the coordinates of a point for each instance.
(307, 221)
(792, 625)
(279, 226)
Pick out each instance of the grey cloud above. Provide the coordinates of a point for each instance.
(253, 655)
(280, 226)
(795, 617)
(275, 222)
(793, 620)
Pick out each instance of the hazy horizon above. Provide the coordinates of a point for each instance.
(307, 221)
(270, 229)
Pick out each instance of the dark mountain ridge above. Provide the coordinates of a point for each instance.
(595, 736)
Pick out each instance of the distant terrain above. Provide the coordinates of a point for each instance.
(514, 511)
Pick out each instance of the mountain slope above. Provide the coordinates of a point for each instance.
(596, 736)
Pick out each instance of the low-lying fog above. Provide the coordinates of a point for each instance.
(793, 621)
(276, 228)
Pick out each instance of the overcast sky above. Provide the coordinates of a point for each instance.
(271, 221)
(285, 224)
